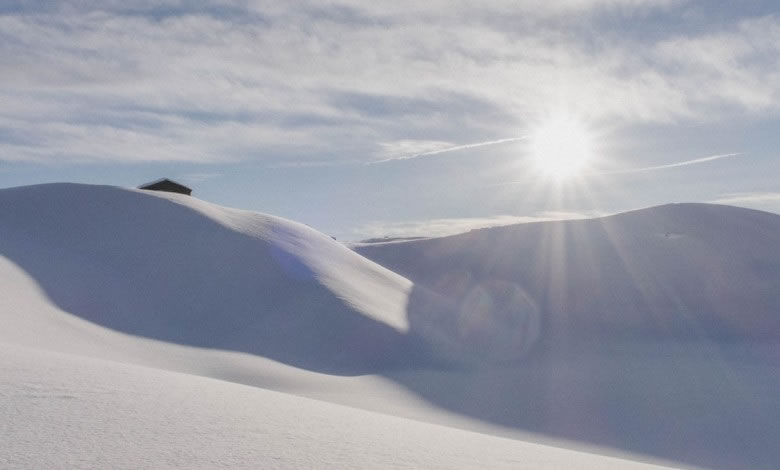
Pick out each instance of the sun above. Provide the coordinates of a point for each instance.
(561, 147)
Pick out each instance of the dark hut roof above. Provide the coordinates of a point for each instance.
(166, 184)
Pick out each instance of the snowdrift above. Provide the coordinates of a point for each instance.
(655, 331)
(651, 334)
(74, 412)
(681, 271)
(177, 269)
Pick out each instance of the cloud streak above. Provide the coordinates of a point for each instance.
(749, 198)
(695, 161)
(450, 226)
(198, 177)
(455, 148)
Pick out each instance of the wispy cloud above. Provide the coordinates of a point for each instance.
(695, 161)
(749, 198)
(198, 177)
(451, 148)
(306, 81)
(450, 226)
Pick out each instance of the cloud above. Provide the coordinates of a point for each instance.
(750, 199)
(198, 177)
(318, 82)
(450, 226)
(695, 161)
(448, 148)
(458, 8)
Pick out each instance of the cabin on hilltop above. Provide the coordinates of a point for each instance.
(166, 185)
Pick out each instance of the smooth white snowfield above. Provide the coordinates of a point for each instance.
(135, 293)
(62, 411)
(656, 331)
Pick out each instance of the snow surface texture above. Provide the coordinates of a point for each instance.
(650, 335)
(659, 328)
(75, 412)
(691, 271)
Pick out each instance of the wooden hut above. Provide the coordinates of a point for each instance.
(166, 185)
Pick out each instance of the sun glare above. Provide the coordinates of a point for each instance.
(561, 147)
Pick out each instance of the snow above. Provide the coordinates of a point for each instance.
(154, 329)
(693, 271)
(661, 345)
(76, 412)
(176, 269)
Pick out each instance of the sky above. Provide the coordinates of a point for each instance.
(405, 118)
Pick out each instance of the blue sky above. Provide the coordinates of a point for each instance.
(311, 109)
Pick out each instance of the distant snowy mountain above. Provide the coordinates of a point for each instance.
(651, 335)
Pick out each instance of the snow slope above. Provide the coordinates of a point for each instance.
(96, 281)
(63, 411)
(655, 331)
(680, 271)
(173, 268)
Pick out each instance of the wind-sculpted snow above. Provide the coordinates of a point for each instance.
(70, 412)
(177, 269)
(173, 268)
(655, 331)
(651, 335)
(690, 271)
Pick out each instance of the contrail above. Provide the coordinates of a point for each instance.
(450, 149)
(695, 161)
(670, 165)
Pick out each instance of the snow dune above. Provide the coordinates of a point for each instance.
(655, 331)
(649, 335)
(680, 271)
(176, 269)
(120, 308)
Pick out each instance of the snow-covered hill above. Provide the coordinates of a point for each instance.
(655, 331)
(649, 335)
(680, 271)
(177, 269)
(119, 308)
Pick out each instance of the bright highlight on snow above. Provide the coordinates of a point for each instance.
(561, 147)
